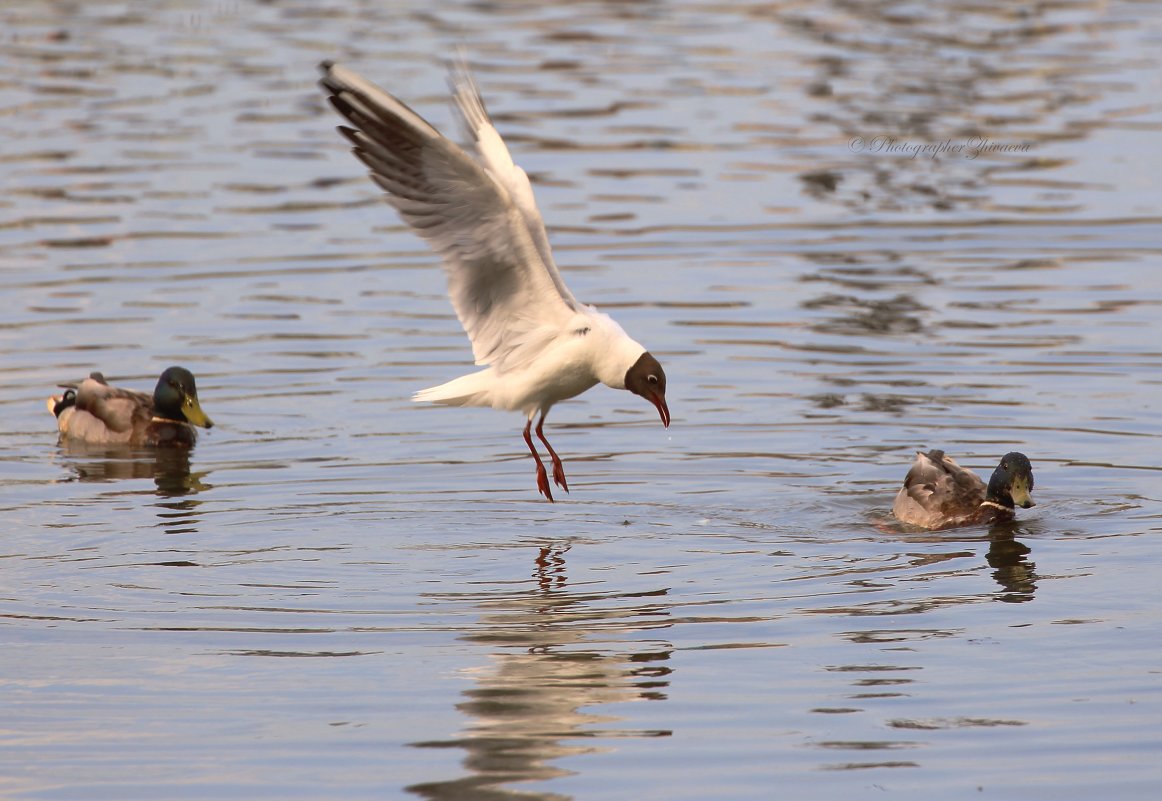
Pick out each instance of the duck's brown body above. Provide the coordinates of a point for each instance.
(95, 413)
(938, 493)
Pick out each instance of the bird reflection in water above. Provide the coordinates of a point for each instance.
(1006, 555)
(1009, 559)
(555, 652)
(168, 467)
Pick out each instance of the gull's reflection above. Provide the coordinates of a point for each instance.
(557, 653)
(168, 467)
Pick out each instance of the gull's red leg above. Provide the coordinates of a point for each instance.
(558, 468)
(542, 476)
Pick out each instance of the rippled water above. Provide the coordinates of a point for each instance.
(343, 594)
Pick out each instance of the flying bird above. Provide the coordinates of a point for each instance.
(537, 343)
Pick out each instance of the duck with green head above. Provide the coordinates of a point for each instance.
(96, 413)
(938, 493)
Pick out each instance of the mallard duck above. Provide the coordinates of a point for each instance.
(939, 493)
(96, 413)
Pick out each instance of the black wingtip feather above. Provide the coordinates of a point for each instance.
(342, 106)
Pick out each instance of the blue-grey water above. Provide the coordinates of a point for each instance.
(848, 230)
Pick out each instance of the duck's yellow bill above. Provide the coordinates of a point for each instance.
(1020, 493)
(192, 410)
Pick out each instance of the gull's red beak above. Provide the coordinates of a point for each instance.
(663, 409)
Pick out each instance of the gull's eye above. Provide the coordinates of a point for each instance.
(653, 379)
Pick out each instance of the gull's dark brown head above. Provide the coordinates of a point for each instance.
(648, 379)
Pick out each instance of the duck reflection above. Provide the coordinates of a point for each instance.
(1009, 559)
(168, 467)
(1006, 555)
(527, 708)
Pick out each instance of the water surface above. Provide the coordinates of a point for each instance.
(342, 594)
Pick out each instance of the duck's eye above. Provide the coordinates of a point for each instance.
(653, 379)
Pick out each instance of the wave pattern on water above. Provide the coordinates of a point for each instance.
(793, 205)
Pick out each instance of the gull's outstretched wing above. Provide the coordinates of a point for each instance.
(498, 162)
(479, 216)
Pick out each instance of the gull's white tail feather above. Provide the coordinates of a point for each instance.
(474, 389)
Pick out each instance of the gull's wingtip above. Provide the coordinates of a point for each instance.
(459, 61)
(327, 76)
(335, 76)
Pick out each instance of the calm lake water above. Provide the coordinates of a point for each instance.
(849, 231)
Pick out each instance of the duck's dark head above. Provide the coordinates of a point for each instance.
(647, 378)
(176, 398)
(57, 405)
(1012, 482)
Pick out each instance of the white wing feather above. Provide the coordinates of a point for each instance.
(479, 216)
(498, 162)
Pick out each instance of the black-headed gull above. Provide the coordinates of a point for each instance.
(539, 343)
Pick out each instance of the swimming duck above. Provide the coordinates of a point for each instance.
(96, 413)
(939, 493)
